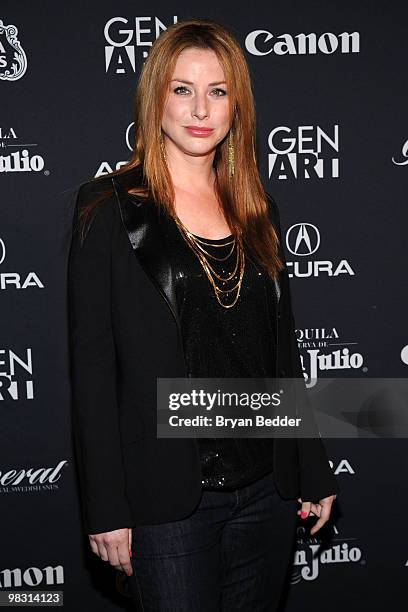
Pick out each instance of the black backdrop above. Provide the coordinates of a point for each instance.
(334, 102)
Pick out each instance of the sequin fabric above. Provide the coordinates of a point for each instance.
(220, 342)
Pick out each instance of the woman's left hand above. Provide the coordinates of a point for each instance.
(322, 509)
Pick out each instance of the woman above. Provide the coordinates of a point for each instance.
(177, 269)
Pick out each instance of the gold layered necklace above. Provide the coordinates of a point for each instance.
(197, 244)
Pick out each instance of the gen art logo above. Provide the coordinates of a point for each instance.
(127, 44)
(305, 152)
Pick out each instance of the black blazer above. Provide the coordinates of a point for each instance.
(124, 332)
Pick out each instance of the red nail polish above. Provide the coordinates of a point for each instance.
(130, 552)
(303, 515)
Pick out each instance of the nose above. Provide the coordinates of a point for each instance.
(200, 106)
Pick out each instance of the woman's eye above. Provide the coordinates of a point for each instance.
(222, 92)
(180, 87)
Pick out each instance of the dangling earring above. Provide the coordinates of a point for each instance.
(162, 147)
(231, 157)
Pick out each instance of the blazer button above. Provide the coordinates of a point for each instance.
(283, 372)
(279, 315)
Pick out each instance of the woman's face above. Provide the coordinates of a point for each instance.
(197, 97)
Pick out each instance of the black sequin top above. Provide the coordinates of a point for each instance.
(224, 342)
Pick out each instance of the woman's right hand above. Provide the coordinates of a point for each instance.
(115, 547)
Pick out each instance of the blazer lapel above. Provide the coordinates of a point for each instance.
(144, 226)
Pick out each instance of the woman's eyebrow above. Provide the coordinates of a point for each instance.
(191, 83)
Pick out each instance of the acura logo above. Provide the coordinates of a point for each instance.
(303, 239)
(2, 251)
(130, 135)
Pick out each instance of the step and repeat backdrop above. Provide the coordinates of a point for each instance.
(330, 85)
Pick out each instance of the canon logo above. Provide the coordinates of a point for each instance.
(32, 576)
(263, 42)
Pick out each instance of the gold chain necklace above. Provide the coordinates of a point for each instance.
(196, 244)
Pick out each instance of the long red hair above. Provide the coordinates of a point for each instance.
(242, 196)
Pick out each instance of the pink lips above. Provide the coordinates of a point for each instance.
(195, 131)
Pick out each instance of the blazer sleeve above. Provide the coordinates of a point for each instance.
(94, 404)
(316, 476)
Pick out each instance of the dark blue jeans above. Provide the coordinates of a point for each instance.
(232, 553)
